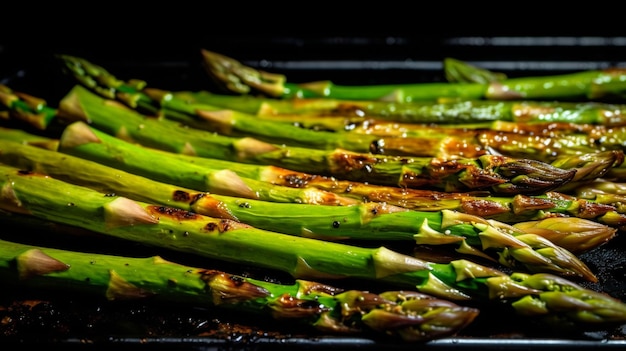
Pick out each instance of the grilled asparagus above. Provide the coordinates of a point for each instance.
(541, 294)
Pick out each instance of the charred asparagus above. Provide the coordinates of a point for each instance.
(542, 295)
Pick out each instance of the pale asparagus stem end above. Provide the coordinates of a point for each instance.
(221, 121)
(227, 182)
(10, 201)
(125, 212)
(70, 109)
(249, 147)
(120, 289)
(77, 134)
(35, 262)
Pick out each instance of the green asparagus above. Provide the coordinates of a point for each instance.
(231, 122)
(592, 84)
(503, 209)
(366, 221)
(89, 143)
(406, 315)
(438, 112)
(540, 141)
(539, 295)
(237, 123)
(500, 175)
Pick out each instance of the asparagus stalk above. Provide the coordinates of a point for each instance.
(592, 84)
(538, 140)
(500, 175)
(436, 112)
(366, 221)
(540, 295)
(406, 315)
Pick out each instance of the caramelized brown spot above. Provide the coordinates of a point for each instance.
(172, 212)
(181, 196)
(464, 146)
(483, 207)
(348, 161)
(348, 110)
(296, 180)
(224, 225)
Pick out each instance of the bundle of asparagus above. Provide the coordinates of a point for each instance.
(367, 221)
(199, 174)
(539, 295)
(108, 170)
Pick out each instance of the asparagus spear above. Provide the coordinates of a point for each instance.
(500, 175)
(367, 221)
(406, 315)
(540, 295)
(592, 84)
(539, 141)
(438, 112)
